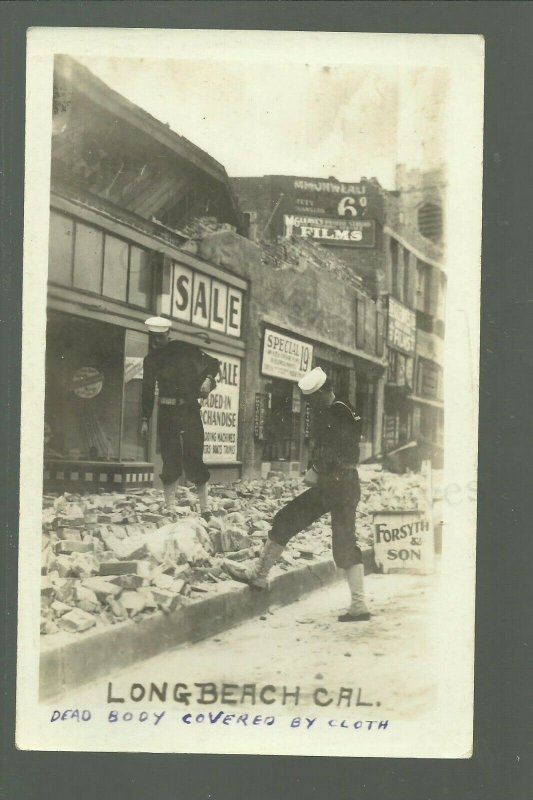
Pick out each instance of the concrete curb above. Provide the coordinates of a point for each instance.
(83, 658)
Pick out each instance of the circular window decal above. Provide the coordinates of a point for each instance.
(87, 382)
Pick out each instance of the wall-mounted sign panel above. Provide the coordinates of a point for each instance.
(220, 413)
(204, 301)
(285, 357)
(344, 232)
(401, 329)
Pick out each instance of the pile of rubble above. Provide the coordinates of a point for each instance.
(111, 557)
(290, 252)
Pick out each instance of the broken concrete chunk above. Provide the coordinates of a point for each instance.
(235, 539)
(126, 581)
(102, 588)
(162, 581)
(166, 600)
(72, 546)
(114, 567)
(47, 588)
(60, 608)
(77, 621)
(133, 602)
(117, 609)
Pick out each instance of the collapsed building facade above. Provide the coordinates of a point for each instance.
(143, 222)
(391, 242)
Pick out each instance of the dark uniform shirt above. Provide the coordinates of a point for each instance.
(337, 444)
(180, 369)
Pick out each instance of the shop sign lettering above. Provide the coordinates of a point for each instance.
(260, 412)
(401, 330)
(220, 414)
(285, 357)
(403, 541)
(204, 301)
(307, 421)
(345, 232)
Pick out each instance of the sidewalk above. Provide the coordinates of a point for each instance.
(123, 581)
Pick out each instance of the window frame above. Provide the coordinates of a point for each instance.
(88, 292)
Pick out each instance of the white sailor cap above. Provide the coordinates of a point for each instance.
(158, 324)
(312, 381)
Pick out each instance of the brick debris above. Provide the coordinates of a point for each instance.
(110, 557)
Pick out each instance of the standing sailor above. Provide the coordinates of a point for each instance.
(183, 374)
(334, 487)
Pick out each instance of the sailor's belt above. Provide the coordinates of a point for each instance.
(171, 401)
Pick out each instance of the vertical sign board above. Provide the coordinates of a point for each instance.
(401, 329)
(220, 413)
(307, 421)
(260, 412)
(403, 541)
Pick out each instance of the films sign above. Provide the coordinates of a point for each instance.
(220, 414)
(403, 541)
(344, 232)
(285, 357)
(401, 329)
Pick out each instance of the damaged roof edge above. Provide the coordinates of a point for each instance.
(85, 82)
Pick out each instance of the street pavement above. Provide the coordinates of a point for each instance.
(392, 658)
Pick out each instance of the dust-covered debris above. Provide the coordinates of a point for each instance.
(109, 557)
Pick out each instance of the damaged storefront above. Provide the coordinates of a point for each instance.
(104, 280)
(123, 189)
(283, 420)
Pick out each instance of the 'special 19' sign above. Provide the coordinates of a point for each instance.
(285, 357)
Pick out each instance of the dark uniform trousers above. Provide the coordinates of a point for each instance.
(181, 439)
(337, 495)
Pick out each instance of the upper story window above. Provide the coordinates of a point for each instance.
(406, 270)
(430, 221)
(423, 281)
(84, 257)
(395, 278)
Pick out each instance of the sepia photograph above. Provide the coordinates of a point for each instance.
(249, 400)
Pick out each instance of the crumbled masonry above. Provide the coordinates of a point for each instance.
(110, 557)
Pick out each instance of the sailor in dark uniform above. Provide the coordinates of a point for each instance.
(183, 374)
(334, 487)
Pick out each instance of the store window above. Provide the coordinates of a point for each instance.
(116, 254)
(429, 379)
(395, 286)
(133, 445)
(400, 369)
(423, 280)
(282, 430)
(84, 257)
(61, 242)
(83, 397)
(140, 283)
(406, 269)
(88, 260)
